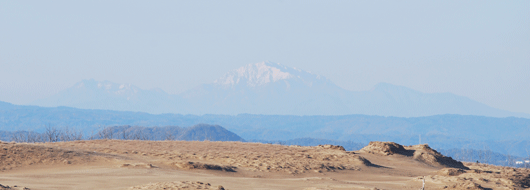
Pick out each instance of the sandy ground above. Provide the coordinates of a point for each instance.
(116, 164)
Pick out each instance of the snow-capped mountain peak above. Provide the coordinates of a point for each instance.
(108, 87)
(270, 88)
(258, 74)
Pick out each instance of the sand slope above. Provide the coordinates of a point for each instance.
(422, 153)
(117, 164)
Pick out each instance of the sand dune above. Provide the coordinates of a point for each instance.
(15, 155)
(118, 164)
(422, 153)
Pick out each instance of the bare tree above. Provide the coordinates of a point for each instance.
(16, 137)
(140, 135)
(136, 136)
(66, 134)
(34, 137)
(144, 136)
(106, 133)
(75, 134)
(168, 136)
(52, 134)
(126, 133)
(509, 161)
(527, 165)
(26, 136)
(487, 155)
(110, 132)
(481, 156)
(91, 137)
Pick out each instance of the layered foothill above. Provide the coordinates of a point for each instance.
(422, 153)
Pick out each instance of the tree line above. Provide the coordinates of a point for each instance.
(64, 134)
(125, 132)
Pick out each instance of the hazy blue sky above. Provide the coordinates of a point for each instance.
(478, 49)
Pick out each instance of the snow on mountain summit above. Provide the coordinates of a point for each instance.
(269, 88)
(258, 74)
(108, 87)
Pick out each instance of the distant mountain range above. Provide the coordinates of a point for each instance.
(504, 135)
(91, 94)
(270, 88)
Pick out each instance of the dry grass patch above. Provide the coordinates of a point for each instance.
(177, 185)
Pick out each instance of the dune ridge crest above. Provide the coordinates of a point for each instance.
(422, 153)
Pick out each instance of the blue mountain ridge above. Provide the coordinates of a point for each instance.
(509, 135)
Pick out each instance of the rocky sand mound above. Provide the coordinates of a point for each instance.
(177, 185)
(481, 176)
(198, 165)
(333, 147)
(422, 153)
(427, 155)
(384, 148)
